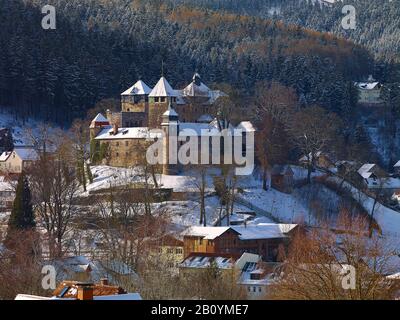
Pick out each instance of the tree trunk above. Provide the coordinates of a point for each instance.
(264, 185)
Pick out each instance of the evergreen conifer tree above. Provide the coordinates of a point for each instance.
(22, 217)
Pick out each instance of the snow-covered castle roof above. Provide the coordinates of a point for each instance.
(196, 88)
(139, 88)
(162, 89)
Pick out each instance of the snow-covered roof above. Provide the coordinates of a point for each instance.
(128, 133)
(367, 85)
(205, 261)
(263, 231)
(205, 118)
(246, 126)
(96, 269)
(365, 170)
(170, 112)
(22, 296)
(209, 233)
(249, 232)
(26, 154)
(304, 158)
(194, 90)
(4, 156)
(139, 88)
(163, 89)
(100, 118)
(126, 296)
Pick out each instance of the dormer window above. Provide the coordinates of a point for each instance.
(255, 276)
(156, 99)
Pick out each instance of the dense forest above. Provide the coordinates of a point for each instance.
(99, 48)
(377, 22)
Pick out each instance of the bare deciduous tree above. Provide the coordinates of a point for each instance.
(319, 262)
(312, 130)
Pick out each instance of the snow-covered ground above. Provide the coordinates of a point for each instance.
(284, 207)
(388, 219)
(106, 176)
(19, 127)
(187, 213)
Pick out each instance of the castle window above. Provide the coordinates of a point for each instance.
(117, 154)
(117, 144)
(156, 99)
(162, 99)
(126, 143)
(129, 109)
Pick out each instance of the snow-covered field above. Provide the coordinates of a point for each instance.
(283, 207)
(106, 176)
(187, 213)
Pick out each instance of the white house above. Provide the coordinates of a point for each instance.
(17, 160)
(369, 92)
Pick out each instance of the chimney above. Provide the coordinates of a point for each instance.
(115, 129)
(85, 291)
(104, 281)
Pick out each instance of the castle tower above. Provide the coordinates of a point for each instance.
(159, 99)
(134, 105)
(97, 124)
(196, 96)
(170, 126)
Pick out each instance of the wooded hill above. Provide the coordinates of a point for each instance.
(101, 47)
(377, 22)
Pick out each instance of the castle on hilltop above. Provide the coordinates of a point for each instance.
(122, 137)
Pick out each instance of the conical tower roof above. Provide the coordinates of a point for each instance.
(163, 89)
(139, 88)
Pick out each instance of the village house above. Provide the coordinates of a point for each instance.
(7, 193)
(372, 173)
(168, 250)
(369, 92)
(321, 160)
(376, 180)
(17, 160)
(266, 239)
(74, 290)
(81, 268)
(247, 270)
(282, 178)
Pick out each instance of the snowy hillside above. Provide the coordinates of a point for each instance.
(19, 127)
